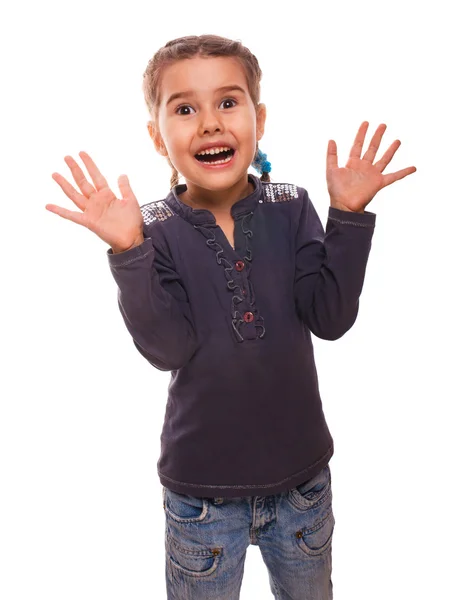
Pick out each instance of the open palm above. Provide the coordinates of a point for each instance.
(118, 222)
(353, 187)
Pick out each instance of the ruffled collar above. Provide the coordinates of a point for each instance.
(204, 216)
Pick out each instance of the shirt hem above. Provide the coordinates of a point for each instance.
(231, 491)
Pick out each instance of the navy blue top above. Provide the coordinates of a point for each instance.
(233, 325)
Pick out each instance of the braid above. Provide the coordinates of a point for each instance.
(262, 165)
(174, 180)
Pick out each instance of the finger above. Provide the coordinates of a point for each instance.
(387, 157)
(332, 157)
(125, 189)
(70, 215)
(359, 140)
(69, 190)
(99, 180)
(374, 143)
(86, 188)
(391, 177)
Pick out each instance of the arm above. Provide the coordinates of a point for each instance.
(330, 268)
(151, 296)
(154, 304)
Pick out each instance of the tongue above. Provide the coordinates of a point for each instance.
(214, 159)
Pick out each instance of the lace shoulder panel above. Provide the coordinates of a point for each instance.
(156, 211)
(279, 192)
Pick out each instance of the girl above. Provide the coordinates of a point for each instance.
(222, 283)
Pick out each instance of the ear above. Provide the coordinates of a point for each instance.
(156, 137)
(261, 114)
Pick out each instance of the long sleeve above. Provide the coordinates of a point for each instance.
(330, 268)
(154, 304)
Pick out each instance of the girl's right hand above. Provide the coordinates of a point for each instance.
(119, 223)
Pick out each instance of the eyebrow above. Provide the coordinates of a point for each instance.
(225, 88)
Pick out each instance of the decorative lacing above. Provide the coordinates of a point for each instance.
(237, 317)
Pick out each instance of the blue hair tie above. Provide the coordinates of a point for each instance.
(260, 162)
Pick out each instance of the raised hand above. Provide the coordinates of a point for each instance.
(353, 187)
(119, 223)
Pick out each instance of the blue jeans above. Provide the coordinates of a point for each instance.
(206, 541)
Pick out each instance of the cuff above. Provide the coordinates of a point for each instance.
(128, 256)
(365, 219)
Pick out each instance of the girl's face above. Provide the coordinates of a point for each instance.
(195, 111)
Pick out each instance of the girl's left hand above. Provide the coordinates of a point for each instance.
(352, 187)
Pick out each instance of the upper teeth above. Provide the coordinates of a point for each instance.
(214, 150)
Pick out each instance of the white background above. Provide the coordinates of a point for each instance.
(81, 411)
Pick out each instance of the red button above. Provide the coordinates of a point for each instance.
(248, 317)
(244, 292)
(239, 265)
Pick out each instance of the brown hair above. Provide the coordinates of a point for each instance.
(189, 47)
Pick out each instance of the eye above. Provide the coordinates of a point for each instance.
(186, 106)
(182, 106)
(229, 100)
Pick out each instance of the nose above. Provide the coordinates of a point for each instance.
(210, 122)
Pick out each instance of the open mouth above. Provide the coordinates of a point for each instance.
(215, 158)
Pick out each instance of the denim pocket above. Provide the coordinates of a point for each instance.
(195, 561)
(183, 508)
(313, 492)
(317, 539)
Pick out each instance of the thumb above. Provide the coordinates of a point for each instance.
(125, 189)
